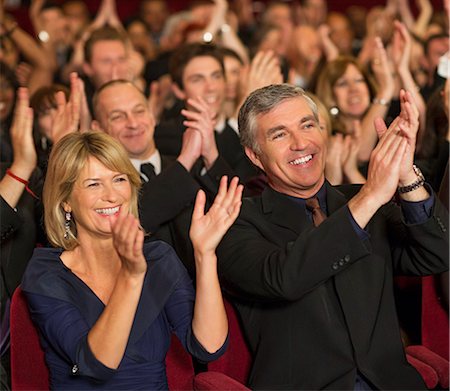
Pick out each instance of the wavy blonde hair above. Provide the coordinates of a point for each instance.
(67, 159)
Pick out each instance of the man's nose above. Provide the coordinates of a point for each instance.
(132, 121)
(298, 141)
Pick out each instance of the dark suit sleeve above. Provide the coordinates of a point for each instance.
(210, 180)
(10, 220)
(419, 248)
(256, 262)
(165, 196)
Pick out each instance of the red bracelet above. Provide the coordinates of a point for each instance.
(21, 180)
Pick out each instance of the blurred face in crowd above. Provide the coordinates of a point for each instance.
(233, 74)
(9, 53)
(45, 122)
(292, 148)
(352, 93)
(203, 77)
(77, 16)
(109, 62)
(273, 40)
(307, 48)
(6, 97)
(122, 112)
(279, 15)
(341, 32)
(315, 12)
(436, 49)
(154, 13)
(55, 23)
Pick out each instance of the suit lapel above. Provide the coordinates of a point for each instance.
(335, 199)
(284, 212)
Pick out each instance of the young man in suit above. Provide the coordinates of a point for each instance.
(198, 75)
(313, 283)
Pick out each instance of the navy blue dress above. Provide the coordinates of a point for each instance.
(64, 309)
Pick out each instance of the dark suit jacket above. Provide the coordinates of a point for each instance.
(20, 231)
(165, 196)
(317, 302)
(169, 138)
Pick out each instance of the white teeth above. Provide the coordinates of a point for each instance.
(108, 211)
(210, 99)
(301, 160)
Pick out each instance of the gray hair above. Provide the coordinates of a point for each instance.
(262, 101)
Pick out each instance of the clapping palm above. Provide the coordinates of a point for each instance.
(207, 230)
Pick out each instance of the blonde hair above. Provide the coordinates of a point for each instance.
(322, 111)
(67, 159)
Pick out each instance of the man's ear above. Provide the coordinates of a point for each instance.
(95, 125)
(254, 158)
(179, 93)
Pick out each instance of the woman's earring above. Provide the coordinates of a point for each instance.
(67, 225)
(334, 111)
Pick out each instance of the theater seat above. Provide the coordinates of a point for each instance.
(434, 350)
(229, 372)
(28, 368)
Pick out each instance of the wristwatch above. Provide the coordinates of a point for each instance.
(416, 184)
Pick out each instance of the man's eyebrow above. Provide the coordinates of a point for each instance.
(275, 129)
(194, 75)
(307, 118)
(122, 110)
(302, 120)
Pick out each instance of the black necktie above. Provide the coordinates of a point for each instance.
(148, 169)
(313, 206)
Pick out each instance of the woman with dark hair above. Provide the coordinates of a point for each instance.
(351, 94)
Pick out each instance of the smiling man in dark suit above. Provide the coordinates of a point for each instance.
(314, 283)
(169, 186)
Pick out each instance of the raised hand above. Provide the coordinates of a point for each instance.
(264, 70)
(159, 92)
(207, 230)
(333, 164)
(382, 71)
(190, 148)
(330, 49)
(66, 118)
(352, 144)
(401, 46)
(128, 240)
(21, 131)
(85, 114)
(201, 118)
